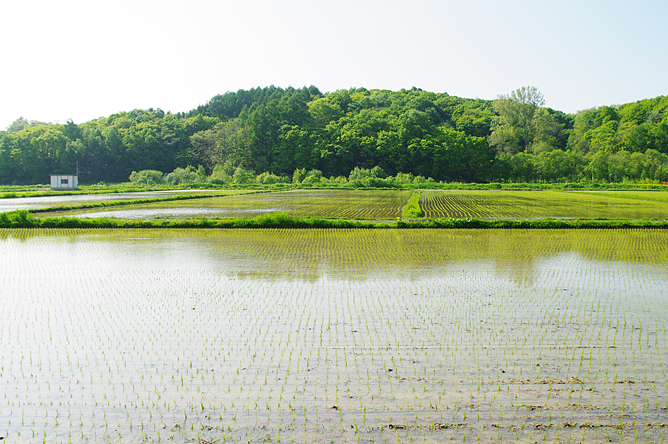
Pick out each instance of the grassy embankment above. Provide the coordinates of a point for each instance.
(412, 208)
(24, 219)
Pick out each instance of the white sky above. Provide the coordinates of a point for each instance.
(82, 59)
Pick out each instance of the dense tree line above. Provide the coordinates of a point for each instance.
(279, 131)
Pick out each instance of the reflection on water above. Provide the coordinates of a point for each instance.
(33, 203)
(362, 253)
(192, 212)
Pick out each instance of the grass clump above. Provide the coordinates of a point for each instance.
(16, 219)
(412, 209)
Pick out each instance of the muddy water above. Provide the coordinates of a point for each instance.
(325, 335)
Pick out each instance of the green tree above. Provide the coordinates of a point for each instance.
(183, 175)
(517, 125)
(226, 141)
(201, 174)
(312, 177)
(242, 175)
(146, 177)
(21, 123)
(222, 173)
(523, 167)
(298, 176)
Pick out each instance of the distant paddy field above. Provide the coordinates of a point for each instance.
(543, 204)
(350, 204)
(66, 200)
(387, 204)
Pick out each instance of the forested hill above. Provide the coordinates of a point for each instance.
(280, 130)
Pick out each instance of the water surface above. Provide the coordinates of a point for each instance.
(337, 335)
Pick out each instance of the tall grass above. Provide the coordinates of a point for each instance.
(412, 208)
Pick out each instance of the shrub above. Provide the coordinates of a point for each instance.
(299, 175)
(183, 175)
(146, 178)
(270, 178)
(222, 173)
(242, 175)
(312, 177)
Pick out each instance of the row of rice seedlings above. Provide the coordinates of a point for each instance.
(353, 204)
(535, 204)
(120, 337)
(657, 196)
(459, 205)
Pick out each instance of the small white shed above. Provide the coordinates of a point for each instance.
(64, 182)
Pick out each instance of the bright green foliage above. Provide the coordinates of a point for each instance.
(146, 177)
(632, 127)
(107, 149)
(270, 179)
(242, 175)
(298, 175)
(227, 143)
(279, 131)
(306, 178)
(365, 178)
(201, 174)
(222, 173)
(519, 119)
(184, 175)
(412, 209)
(312, 177)
(17, 219)
(22, 123)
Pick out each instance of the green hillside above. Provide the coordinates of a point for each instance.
(278, 131)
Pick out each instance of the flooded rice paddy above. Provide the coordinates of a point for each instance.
(354, 204)
(387, 204)
(333, 336)
(539, 204)
(34, 203)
